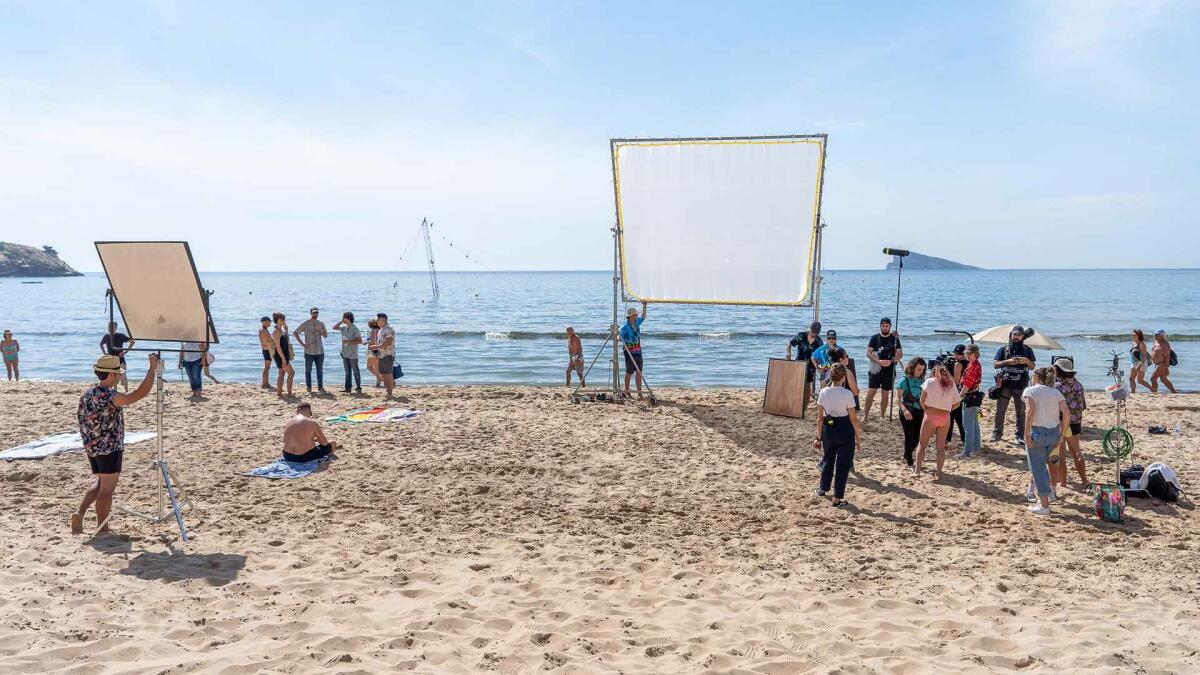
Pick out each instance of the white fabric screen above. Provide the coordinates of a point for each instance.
(720, 221)
(157, 290)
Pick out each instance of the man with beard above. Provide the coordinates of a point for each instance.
(1012, 363)
(884, 352)
(806, 343)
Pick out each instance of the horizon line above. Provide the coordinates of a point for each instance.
(605, 270)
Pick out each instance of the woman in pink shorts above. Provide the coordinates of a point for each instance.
(939, 396)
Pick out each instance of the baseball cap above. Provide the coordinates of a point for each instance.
(831, 333)
(1160, 332)
(313, 309)
(108, 364)
(959, 349)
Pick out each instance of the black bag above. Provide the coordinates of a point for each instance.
(1132, 474)
(972, 399)
(1158, 487)
(1174, 360)
(397, 372)
(994, 392)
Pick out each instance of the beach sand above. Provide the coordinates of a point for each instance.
(507, 529)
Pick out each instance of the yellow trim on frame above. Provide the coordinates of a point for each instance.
(812, 238)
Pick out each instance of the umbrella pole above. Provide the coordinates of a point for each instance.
(899, 272)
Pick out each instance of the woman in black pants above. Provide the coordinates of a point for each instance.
(957, 367)
(908, 393)
(837, 432)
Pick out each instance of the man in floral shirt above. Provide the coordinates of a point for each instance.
(102, 427)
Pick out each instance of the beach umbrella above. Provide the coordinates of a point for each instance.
(999, 335)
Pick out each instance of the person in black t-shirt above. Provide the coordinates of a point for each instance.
(1012, 363)
(883, 351)
(806, 343)
(116, 344)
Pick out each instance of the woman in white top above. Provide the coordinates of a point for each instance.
(837, 432)
(939, 396)
(1046, 421)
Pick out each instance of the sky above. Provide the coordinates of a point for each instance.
(316, 136)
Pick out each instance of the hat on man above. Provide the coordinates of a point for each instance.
(831, 333)
(630, 311)
(1065, 364)
(960, 349)
(313, 309)
(1160, 332)
(108, 364)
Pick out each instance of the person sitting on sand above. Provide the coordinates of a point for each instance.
(102, 428)
(1160, 356)
(303, 440)
(838, 434)
(631, 338)
(574, 356)
(268, 350)
(11, 349)
(938, 397)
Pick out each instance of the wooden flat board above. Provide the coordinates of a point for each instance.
(787, 388)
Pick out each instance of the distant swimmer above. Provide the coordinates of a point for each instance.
(575, 356)
(303, 440)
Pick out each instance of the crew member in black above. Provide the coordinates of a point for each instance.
(806, 343)
(1012, 363)
(884, 351)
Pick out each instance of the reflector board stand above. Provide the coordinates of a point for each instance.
(733, 220)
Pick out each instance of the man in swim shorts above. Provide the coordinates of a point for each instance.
(303, 440)
(268, 350)
(575, 356)
(884, 352)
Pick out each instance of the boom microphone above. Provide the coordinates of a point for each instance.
(899, 252)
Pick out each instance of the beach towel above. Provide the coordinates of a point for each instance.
(376, 415)
(65, 442)
(283, 469)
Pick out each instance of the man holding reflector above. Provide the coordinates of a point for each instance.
(102, 427)
(631, 338)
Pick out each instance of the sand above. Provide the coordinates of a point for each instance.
(507, 529)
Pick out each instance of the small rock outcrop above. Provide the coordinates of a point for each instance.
(17, 260)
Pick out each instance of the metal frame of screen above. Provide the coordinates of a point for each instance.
(811, 296)
(212, 329)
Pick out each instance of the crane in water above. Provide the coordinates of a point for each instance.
(425, 227)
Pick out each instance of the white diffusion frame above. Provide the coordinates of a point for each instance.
(719, 221)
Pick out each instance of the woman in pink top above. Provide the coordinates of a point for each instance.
(938, 397)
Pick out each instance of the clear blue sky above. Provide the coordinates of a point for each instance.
(316, 135)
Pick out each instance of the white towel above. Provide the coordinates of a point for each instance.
(63, 443)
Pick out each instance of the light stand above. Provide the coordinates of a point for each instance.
(900, 255)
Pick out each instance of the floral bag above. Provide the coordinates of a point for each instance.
(1108, 500)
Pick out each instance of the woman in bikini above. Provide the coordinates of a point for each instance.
(283, 355)
(10, 348)
(1139, 357)
(938, 397)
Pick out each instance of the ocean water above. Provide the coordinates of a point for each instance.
(508, 327)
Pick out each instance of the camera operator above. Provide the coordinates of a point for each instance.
(1013, 362)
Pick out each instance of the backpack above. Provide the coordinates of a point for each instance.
(1174, 360)
(1108, 500)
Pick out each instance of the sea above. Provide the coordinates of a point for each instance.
(509, 327)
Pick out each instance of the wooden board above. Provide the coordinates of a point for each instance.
(787, 388)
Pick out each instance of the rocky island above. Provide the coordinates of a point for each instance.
(17, 260)
(917, 261)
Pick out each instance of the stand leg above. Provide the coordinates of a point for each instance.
(165, 475)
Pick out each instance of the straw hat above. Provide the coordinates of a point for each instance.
(630, 311)
(108, 364)
(1065, 364)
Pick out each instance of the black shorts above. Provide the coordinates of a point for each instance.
(1076, 428)
(266, 355)
(885, 379)
(279, 359)
(106, 464)
(316, 453)
(386, 363)
(630, 362)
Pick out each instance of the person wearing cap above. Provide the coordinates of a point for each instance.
(1072, 391)
(311, 335)
(1160, 356)
(102, 429)
(1013, 362)
(822, 357)
(631, 337)
(268, 350)
(884, 351)
(806, 343)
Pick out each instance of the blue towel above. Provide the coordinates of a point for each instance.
(282, 468)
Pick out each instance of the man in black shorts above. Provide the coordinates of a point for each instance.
(884, 352)
(114, 343)
(268, 349)
(102, 426)
(303, 440)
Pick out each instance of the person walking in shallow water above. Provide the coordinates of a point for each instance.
(1161, 356)
(11, 349)
(1139, 360)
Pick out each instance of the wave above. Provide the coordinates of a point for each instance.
(1125, 337)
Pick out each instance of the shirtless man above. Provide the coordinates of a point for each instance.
(303, 440)
(268, 350)
(575, 354)
(1160, 356)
